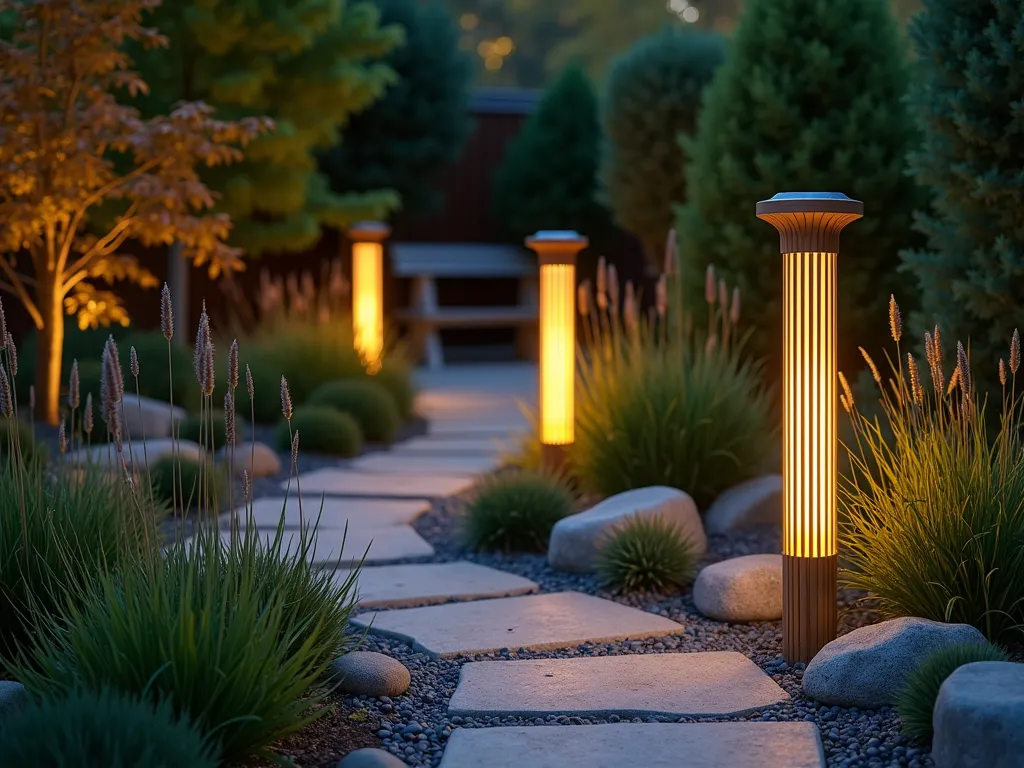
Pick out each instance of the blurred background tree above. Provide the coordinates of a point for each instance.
(419, 126)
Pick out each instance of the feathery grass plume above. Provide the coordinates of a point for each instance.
(209, 366)
(847, 393)
(87, 423)
(1002, 371)
(895, 319)
(963, 369)
(916, 390)
(249, 387)
(581, 299)
(286, 400)
(229, 418)
(661, 295)
(246, 486)
(166, 313)
(671, 253)
(74, 386)
(845, 403)
(723, 295)
(3, 327)
(953, 381)
(929, 350)
(711, 344)
(6, 404)
(198, 353)
(734, 308)
(116, 375)
(937, 341)
(613, 289)
(295, 448)
(233, 366)
(133, 362)
(871, 364)
(62, 438)
(630, 313)
(602, 284)
(12, 351)
(709, 284)
(1015, 352)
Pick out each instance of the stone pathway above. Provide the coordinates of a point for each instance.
(455, 609)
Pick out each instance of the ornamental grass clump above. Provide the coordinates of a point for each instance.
(933, 500)
(515, 511)
(192, 484)
(658, 403)
(102, 728)
(916, 701)
(646, 554)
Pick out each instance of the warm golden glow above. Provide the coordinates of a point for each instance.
(557, 353)
(368, 302)
(809, 378)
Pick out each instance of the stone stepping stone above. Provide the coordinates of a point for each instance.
(345, 482)
(401, 586)
(334, 512)
(450, 445)
(476, 427)
(390, 463)
(714, 683)
(333, 546)
(646, 745)
(537, 622)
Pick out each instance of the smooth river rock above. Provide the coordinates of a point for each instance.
(868, 667)
(754, 502)
(741, 589)
(366, 673)
(13, 696)
(576, 540)
(259, 459)
(144, 417)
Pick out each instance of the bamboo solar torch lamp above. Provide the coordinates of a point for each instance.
(556, 254)
(368, 290)
(809, 224)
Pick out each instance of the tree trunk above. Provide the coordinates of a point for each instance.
(49, 352)
(177, 281)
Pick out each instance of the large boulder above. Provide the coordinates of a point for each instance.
(868, 667)
(753, 502)
(741, 589)
(145, 417)
(576, 540)
(366, 673)
(258, 458)
(979, 717)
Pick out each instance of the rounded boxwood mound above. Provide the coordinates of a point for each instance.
(367, 402)
(321, 429)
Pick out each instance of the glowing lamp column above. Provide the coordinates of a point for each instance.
(368, 290)
(809, 224)
(556, 254)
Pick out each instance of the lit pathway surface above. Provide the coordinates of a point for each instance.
(452, 610)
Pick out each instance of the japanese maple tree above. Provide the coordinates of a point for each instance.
(81, 174)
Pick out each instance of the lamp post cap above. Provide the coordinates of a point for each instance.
(810, 202)
(369, 230)
(557, 236)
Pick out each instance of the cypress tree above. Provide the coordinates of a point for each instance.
(309, 66)
(653, 94)
(810, 98)
(548, 178)
(420, 124)
(968, 99)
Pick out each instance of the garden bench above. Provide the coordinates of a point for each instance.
(426, 263)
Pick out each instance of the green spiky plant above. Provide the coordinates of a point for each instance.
(646, 554)
(933, 502)
(515, 511)
(916, 700)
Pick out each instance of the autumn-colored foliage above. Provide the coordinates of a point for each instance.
(82, 174)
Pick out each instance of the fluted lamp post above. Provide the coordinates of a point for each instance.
(556, 255)
(368, 290)
(809, 224)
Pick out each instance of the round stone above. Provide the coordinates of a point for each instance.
(366, 673)
(12, 696)
(741, 589)
(371, 758)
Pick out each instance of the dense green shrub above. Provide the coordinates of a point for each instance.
(189, 483)
(105, 728)
(653, 95)
(238, 635)
(75, 523)
(810, 97)
(916, 701)
(515, 511)
(322, 430)
(402, 141)
(396, 377)
(933, 501)
(366, 401)
(646, 554)
(31, 450)
(548, 179)
(970, 78)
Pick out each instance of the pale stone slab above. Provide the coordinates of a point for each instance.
(401, 586)
(444, 445)
(335, 546)
(141, 450)
(392, 464)
(334, 512)
(645, 745)
(344, 482)
(557, 620)
(500, 429)
(672, 684)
